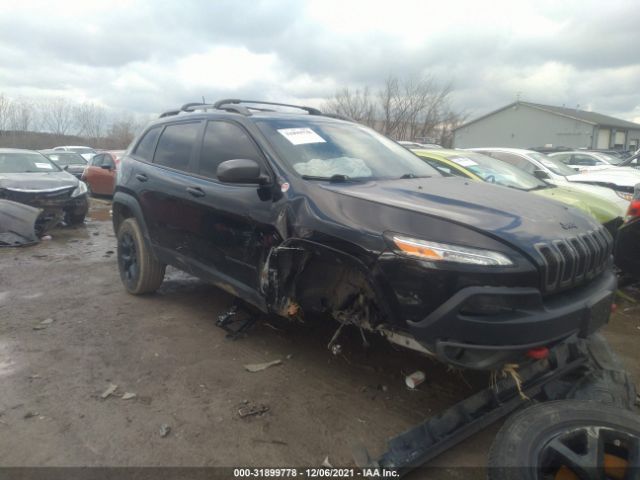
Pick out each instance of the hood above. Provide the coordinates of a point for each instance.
(514, 216)
(37, 181)
(621, 176)
(602, 210)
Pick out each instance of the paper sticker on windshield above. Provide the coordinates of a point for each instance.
(464, 162)
(301, 136)
(44, 165)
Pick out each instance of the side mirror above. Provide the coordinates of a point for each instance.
(241, 171)
(66, 167)
(541, 174)
(106, 167)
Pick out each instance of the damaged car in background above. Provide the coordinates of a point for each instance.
(30, 178)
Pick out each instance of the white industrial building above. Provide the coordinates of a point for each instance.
(531, 125)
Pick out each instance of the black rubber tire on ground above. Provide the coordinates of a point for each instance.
(140, 272)
(516, 451)
(75, 219)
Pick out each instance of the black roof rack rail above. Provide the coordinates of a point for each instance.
(234, 105)
(309, 110)
(169, 113)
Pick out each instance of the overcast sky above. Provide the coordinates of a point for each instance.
(150, 56)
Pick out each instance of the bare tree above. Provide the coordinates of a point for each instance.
(21, 116)
(355, 104)
(90, 120)
(57, 115)
(412, 108)
(5, 112)
(123, 131)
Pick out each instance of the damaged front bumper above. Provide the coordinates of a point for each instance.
(484, 327)
(56, 204)
(17, 224)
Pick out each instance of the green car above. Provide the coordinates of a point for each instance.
(481, 167)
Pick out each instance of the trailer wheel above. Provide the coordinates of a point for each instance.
(566, 440)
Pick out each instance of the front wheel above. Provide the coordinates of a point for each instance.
(140, 272)
(568, 440)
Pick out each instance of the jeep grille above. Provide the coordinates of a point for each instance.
(572, 261)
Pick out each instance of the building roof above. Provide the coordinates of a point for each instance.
(592, 118)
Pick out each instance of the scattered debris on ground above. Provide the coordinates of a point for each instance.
(43, 324)
(128, 396)
(326, 462)
(30, 414)
(249, 409)
(258, 367)
(164, 430)
(111, 389)
(416, 378)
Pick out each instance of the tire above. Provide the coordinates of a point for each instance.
(75, 219)
(140, 272)
(530, 441)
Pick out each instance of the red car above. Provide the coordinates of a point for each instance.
(100, 174)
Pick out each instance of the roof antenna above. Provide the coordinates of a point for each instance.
(203, 102)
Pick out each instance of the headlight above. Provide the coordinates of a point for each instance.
(438, 252)
(80, 189)
(625, 195)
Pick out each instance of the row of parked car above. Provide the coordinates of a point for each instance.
(96, 168)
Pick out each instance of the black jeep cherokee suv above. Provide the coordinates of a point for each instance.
(299, 212)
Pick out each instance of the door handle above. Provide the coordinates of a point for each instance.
(142, 177)
(195, 191)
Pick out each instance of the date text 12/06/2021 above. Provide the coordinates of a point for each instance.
(314, 473)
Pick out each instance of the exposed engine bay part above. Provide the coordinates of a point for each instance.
(406, 341)
(303, 276)
(18, 224)
(553, 378)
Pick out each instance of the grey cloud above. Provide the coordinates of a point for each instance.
(596, 42)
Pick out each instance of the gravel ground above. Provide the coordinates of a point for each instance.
(166, 349)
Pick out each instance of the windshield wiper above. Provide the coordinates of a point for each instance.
(337, 178)
(413, 175)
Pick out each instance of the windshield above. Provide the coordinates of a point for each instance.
(553, 164)
(64, 159)
(496, 171)
(321, 150)
(605, 157)
(20, 162)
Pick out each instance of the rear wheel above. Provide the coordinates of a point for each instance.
(140, 272)
(567, 440)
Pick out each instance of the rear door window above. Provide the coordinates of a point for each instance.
(225, 141)
(147, 145)
(175, 145)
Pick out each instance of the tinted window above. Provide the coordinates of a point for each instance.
(145, 148)
(225, 141)
(97, 160)
(175, 145)
(585, 160)
(108, 161)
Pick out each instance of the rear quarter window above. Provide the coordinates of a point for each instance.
(147, 145)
